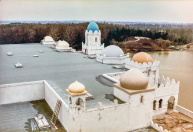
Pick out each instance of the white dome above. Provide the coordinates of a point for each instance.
(134, 79)
(48, 38)
(76, 87)
(62, 44)
(112, 51)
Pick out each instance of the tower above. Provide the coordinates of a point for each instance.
(77, 97)
(134, 90)
(92, 43)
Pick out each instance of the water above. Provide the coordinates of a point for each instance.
(178, 65)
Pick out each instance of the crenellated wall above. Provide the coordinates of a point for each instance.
(167, 88)
(151, 70)
(158, 128)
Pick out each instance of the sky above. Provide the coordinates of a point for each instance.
(179, 11)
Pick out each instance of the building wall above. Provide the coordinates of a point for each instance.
(118, 117)
(51, 98)
(165, 90)
(140, 108)
(102, 119)
(36, 90)
(21, 92)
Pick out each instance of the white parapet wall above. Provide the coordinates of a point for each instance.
(112, 60)
(101, 119)
(158, 128)
(51, 98)
(35, 90)
(21, 92)
(184, 111)
(113, 76)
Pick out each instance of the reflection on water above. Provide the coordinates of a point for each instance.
(178, 65)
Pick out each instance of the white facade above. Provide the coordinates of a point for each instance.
(92, 43)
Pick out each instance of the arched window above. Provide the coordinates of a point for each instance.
(70, 100)
(160, 103)
(79, 102)
(95, 39)
(154, 104)
(148, 72)
(141, 99)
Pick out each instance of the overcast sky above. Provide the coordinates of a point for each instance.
(99, 10)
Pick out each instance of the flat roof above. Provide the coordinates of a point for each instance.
(59, 69)
(20, 116)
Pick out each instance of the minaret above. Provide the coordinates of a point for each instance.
(77, 97)
(92, 43)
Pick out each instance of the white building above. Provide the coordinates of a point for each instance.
(48, 40)
(63, 46)
(142, 94)
(112, 55)
(92, 43)
(142, 102)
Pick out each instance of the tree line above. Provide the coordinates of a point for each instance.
(74, 34)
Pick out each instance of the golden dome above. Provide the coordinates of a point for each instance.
(76, 87)
(142, 57)
(134, 79)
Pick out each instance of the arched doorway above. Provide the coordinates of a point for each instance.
(171, 102)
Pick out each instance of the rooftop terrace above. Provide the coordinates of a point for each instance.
(59, 69)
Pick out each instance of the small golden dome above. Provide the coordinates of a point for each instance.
(76, 87)
(142, 57)
(134, 79)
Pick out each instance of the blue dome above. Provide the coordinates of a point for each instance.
(93, 26)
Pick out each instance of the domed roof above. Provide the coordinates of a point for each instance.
(142, 57)
(48, 38)
(134, 79)
(76, 87)
(62, 44)
(112, 51)
(93, 26)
